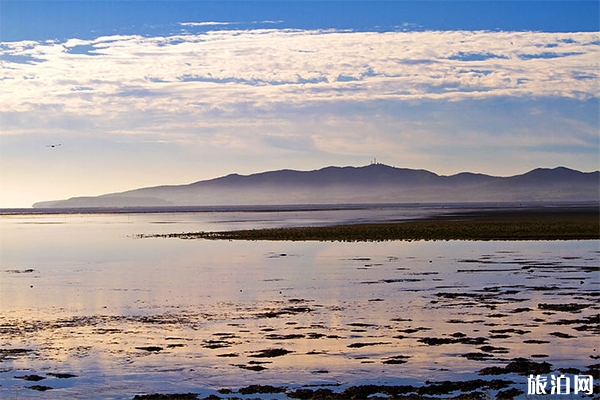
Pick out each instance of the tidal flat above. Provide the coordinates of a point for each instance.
(90, 310)
(527, 224)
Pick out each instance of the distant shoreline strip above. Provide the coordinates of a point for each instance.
(483, 225)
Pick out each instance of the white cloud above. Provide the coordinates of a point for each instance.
(207, 23)
(274, 98)
(292, 66)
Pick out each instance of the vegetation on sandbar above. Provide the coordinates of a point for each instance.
(559, 227)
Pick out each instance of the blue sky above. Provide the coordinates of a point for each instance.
(143, 93)
(41, 20)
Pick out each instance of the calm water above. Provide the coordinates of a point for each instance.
(82, 295)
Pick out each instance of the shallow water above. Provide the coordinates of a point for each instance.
(80, 294)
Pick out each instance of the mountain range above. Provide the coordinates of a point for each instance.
(374, 183)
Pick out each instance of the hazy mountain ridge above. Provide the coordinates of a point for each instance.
(375, 183)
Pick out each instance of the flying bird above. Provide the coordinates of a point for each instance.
(54, 145)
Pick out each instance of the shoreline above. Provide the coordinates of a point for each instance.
(561, 223)
(299, 207)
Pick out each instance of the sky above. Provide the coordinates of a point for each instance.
(105, 96)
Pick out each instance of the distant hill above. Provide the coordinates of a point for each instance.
(375, 183)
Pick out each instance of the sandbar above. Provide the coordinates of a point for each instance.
(529, 223)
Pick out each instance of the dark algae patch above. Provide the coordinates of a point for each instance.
(270, 353)
(509, 394)
(159, 396)
(284, 311)
(477, 356)
(262, 389)
(256, 368)
(396, 360)
(39, 388)
(33, 378)
(62, 375)
(521, 366)
(436, 341)
(569, 307)
(470, 389)
(365, 344)
(562, 335)
(152, 349)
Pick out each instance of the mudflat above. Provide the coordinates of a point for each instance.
(560, 223)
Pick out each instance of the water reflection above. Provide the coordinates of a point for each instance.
(133, 315)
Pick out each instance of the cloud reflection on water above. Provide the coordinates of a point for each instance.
(99, 296)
